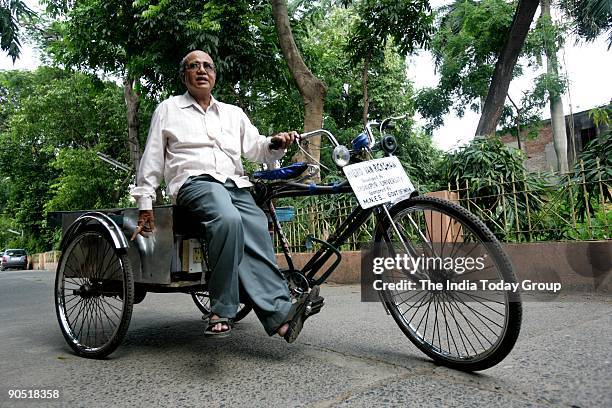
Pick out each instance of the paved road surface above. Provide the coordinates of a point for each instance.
(352, 354)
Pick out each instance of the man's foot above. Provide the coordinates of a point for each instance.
(308, 305)
(218, 327)
(283, 330)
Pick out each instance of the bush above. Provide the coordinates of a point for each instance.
(500, 190)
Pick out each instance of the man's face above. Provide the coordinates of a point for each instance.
(200, 74)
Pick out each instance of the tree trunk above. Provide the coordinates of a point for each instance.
(502, 75)
(132, 103)
(557, 117)
(311, 88)
(364, 79)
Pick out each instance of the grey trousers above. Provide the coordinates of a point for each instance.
(239, 250)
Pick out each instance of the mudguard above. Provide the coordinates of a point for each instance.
(99, 219)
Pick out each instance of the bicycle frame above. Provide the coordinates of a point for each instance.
(353, 222)
(356, 219)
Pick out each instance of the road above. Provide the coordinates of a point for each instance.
(351, 354)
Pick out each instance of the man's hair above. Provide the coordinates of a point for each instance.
(182, 67)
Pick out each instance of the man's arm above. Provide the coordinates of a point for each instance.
(257, 148)
(150, 173)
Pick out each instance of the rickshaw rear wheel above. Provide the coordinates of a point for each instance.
(94, 294)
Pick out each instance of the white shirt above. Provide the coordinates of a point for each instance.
(184, 141)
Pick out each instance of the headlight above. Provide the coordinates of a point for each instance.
(341, 156)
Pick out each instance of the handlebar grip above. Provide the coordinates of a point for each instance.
(274, 145)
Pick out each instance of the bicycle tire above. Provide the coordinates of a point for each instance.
(202, 301)
(470, 309)
(94, 294)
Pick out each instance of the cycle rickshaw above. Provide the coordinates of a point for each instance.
(101, 274)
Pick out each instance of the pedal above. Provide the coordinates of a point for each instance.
(315, 306)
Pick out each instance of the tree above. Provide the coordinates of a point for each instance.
(311, 88)
(557, 117)
(504, 67)
(591, 18)
(465, 47)
(405, 24)
(101, 35)
(325, 45)
(12, 12)
(54, 124)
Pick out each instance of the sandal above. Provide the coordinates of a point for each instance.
(308, 305)
(218, 334)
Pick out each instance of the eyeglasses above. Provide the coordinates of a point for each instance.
(196, 65)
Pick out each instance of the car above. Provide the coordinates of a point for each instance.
(14, 258)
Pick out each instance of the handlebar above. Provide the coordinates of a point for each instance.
(307, 135)
(275, 145)
(386, 123)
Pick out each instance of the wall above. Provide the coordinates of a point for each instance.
(579, 266)
(45, 261)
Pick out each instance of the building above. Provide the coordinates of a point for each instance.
(540, 151)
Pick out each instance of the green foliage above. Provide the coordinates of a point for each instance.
(147, 39)
(470, 36)
(12, 14)
(84, 182)
(483, 159)
(591, 18)
(53, 123)
(407, 23)
(546, 38)
(593, 171)
(545, 87)
(465, 47)
(601, 116)
(486, 169)
(325, 52)
(420, 157)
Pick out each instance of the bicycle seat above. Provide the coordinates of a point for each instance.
(284, 173)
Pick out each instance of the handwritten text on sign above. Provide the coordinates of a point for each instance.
(378, 181)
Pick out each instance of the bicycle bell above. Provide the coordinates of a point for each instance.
(389, 144)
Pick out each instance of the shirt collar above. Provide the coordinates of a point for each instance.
(187, 100)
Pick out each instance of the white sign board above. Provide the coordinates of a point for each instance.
(378, 181)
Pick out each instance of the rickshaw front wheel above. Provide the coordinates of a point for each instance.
(94, 294)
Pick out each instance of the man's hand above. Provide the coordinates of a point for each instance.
(283, 140)
(146, 223)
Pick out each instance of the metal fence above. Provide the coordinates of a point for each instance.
(320, 218)
(542, 208)
(526, 209)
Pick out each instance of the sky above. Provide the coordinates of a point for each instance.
(588, 68)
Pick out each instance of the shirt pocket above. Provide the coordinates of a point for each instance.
(230, 142)
(188, 132)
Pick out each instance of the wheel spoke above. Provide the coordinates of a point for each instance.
(93, 298)
(471, 325)
(463, 326)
